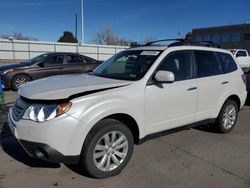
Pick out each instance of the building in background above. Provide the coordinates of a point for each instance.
(229, 36)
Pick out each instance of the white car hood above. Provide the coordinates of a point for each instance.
(65, 86)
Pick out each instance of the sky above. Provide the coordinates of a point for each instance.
(136, 20)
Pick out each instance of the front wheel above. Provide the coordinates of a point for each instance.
(18, 80)
(228, 116)
(107, 149)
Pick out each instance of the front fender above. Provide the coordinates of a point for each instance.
(90, 113)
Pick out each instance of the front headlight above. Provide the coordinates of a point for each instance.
(6, 71)
(45, 112)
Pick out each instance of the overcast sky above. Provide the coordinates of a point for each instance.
(130, 19)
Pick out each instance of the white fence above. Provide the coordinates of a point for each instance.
(14, 50)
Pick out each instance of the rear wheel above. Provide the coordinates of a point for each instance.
(228, 116)
(107, 149)
(18, 80)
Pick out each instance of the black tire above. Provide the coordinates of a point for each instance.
(18, 80)
(221, 125)
(104, 127)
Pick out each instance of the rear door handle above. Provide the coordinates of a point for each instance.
(225, 82)
(192, 88)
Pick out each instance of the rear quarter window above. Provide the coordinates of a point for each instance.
(227, 62)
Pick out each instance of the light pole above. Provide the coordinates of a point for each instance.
(82, 33)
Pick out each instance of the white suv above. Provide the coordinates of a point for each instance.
(95, 119)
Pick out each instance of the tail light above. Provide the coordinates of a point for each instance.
(244, 78)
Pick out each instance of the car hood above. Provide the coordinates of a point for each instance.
(12, 66)
(67, 86)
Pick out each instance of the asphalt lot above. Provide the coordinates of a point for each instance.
(190, 158)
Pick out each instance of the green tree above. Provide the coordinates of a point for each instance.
(68, 37)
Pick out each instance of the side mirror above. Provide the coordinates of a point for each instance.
(237, 55)
(164, 77)
(41, 64)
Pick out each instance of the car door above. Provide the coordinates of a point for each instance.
(169, 105)
(52, 65)
(211, 82)
(78, 64)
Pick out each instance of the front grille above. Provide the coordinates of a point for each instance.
(19, 108)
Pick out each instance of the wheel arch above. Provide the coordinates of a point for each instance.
(18, 74)
(236, 99)
(129, 121)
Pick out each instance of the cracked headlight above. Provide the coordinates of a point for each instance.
(45, 112)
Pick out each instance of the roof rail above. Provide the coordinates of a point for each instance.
(191, 43)
(185, 42)
(163, 40)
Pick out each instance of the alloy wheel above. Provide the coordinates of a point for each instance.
(229, 116)
(110, 151)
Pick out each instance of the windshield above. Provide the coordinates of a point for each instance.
(127, 65)
(36, 59)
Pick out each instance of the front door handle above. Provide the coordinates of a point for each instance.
(192, 88)
(224, 82)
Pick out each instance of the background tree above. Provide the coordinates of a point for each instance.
(19, 36)
(105, 36)
(67, 37)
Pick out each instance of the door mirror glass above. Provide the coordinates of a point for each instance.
(41, 64)
(164, 76)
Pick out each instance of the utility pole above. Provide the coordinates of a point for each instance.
(76, 27)
(82, 33)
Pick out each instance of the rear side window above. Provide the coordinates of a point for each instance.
(207, 64)
(227, 62)
(72, 59)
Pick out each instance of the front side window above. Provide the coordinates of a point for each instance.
(128, 65)
(179, 63)
(207, 64)
(227, 62)
(54, 60)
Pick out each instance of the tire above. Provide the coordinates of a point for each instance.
(18, 80)
(94, 159)
(227, 117)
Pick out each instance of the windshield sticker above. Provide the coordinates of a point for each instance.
(152, 53)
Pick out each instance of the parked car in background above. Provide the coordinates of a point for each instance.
(242, 57)
(247, 73)
(45, 65)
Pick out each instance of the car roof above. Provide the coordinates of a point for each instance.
(183, 47)
(62, 53)
(149, 48)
